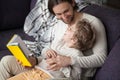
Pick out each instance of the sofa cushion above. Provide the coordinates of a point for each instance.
(111, 69)
(110, 18)
(4, 52)
(6, 35)
(32, 5)
(13, 13)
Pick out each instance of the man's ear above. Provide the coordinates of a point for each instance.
(73, 3)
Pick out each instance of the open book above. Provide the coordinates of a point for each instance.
(18, 48)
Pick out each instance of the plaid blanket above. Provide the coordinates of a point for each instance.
(39, 24)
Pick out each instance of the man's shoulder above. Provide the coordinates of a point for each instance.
(89, 16)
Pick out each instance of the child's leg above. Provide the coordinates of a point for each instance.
(9, 67)
(34, 74)
(18, 77)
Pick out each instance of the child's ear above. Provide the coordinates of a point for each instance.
(74, 40)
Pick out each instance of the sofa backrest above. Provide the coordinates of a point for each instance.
(111, 20)
(33, 2)
(13, 13)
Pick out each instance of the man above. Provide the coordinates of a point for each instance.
(65, 10)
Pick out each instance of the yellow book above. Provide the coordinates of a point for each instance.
(18, 48)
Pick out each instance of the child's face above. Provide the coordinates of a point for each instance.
(69, 34)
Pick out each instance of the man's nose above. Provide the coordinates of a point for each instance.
(63, 16)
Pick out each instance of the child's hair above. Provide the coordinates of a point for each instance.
(85, 35)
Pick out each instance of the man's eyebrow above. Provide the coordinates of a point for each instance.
(63, 11)
(66, 10)
(58, 13)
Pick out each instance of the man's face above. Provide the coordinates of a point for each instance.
(64, 12)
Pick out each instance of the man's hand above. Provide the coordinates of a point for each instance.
(58, 62)
(32, 60)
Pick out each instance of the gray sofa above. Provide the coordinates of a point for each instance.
(14, 12)
(111, 20)
(12, 17)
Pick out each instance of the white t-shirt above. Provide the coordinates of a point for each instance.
(62, 49)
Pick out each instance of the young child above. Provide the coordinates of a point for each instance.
(76, 39)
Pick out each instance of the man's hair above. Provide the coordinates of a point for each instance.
(85, 35)
(52, 3)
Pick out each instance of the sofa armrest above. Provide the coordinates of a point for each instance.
(111, 68)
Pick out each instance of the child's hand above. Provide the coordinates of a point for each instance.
(32, 61)
(51, 54)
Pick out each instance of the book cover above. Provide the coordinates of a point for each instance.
(18, 48)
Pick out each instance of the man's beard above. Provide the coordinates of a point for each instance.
(69, 21)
